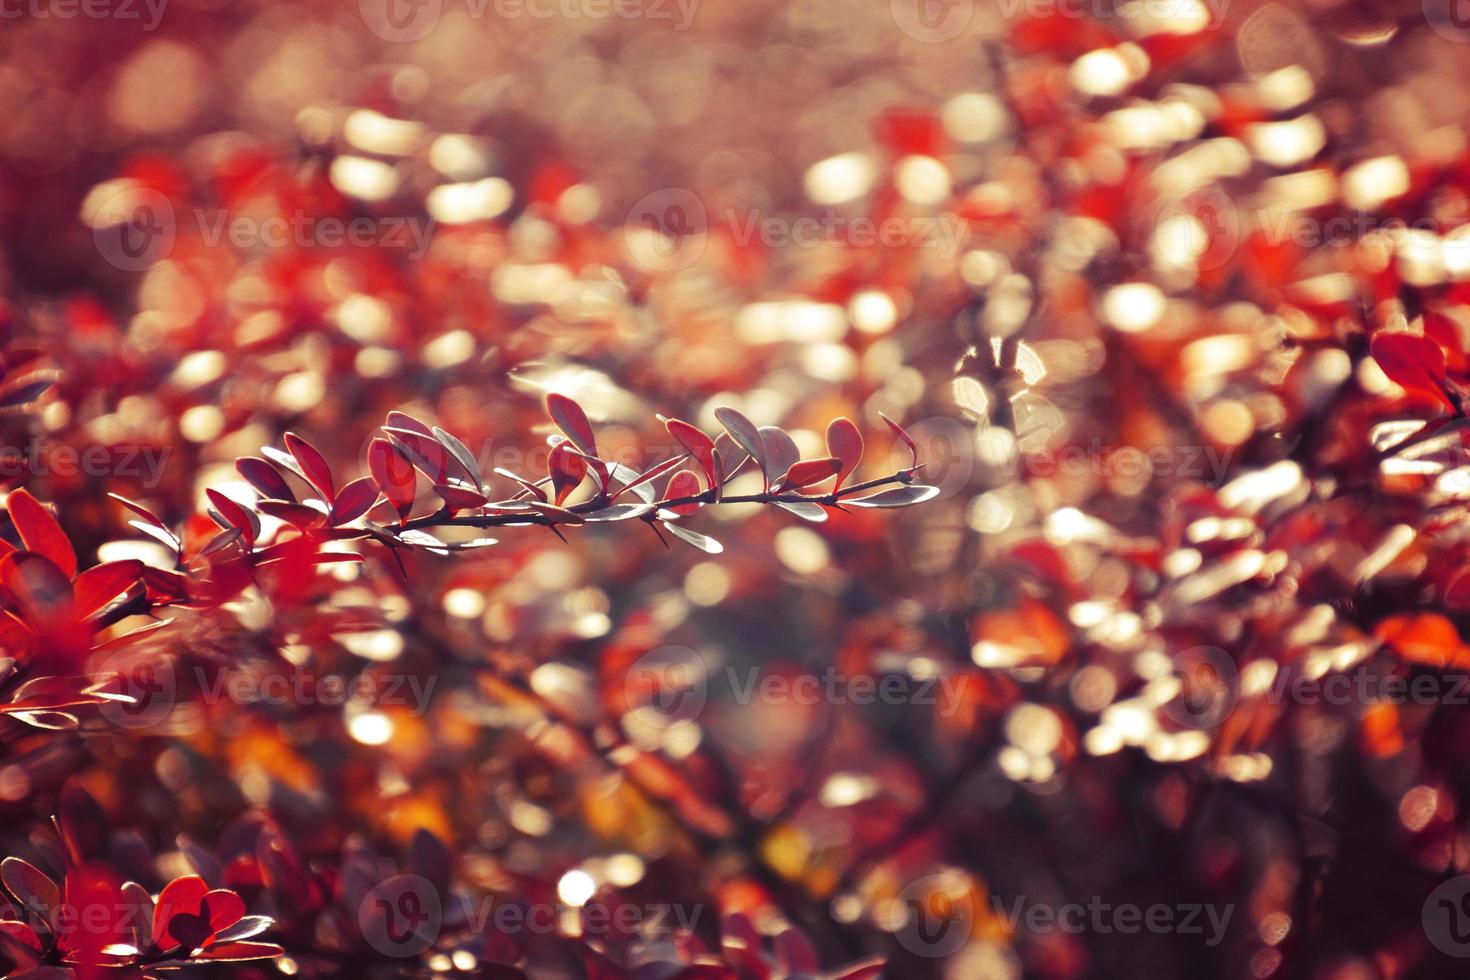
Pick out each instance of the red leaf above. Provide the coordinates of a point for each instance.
(1414, 362)
(394, 475)
(95, 889)
(82, 824)
(147, 514)
(235, 515)
(572, 421)
(460, 497)
(20, 944)
(313, 465)
(683, 484)
(182, 896)
(424, 451)
(908, 440)
(808, 472)
(355, 500)
(1457, 592)
(567, 470)
(99, 585)
(223, 908)
(40, 532)
(559, 514)
(263, 477)
(41, 590)
(297, 515)
(700, 446)
(30, 886)
(845, 442)
(653, 472)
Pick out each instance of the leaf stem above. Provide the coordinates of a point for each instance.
(708, 497)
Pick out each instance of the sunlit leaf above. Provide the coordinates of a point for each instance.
(894, 497)
(705, 544)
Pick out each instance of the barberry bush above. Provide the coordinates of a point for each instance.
(1051, 561)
